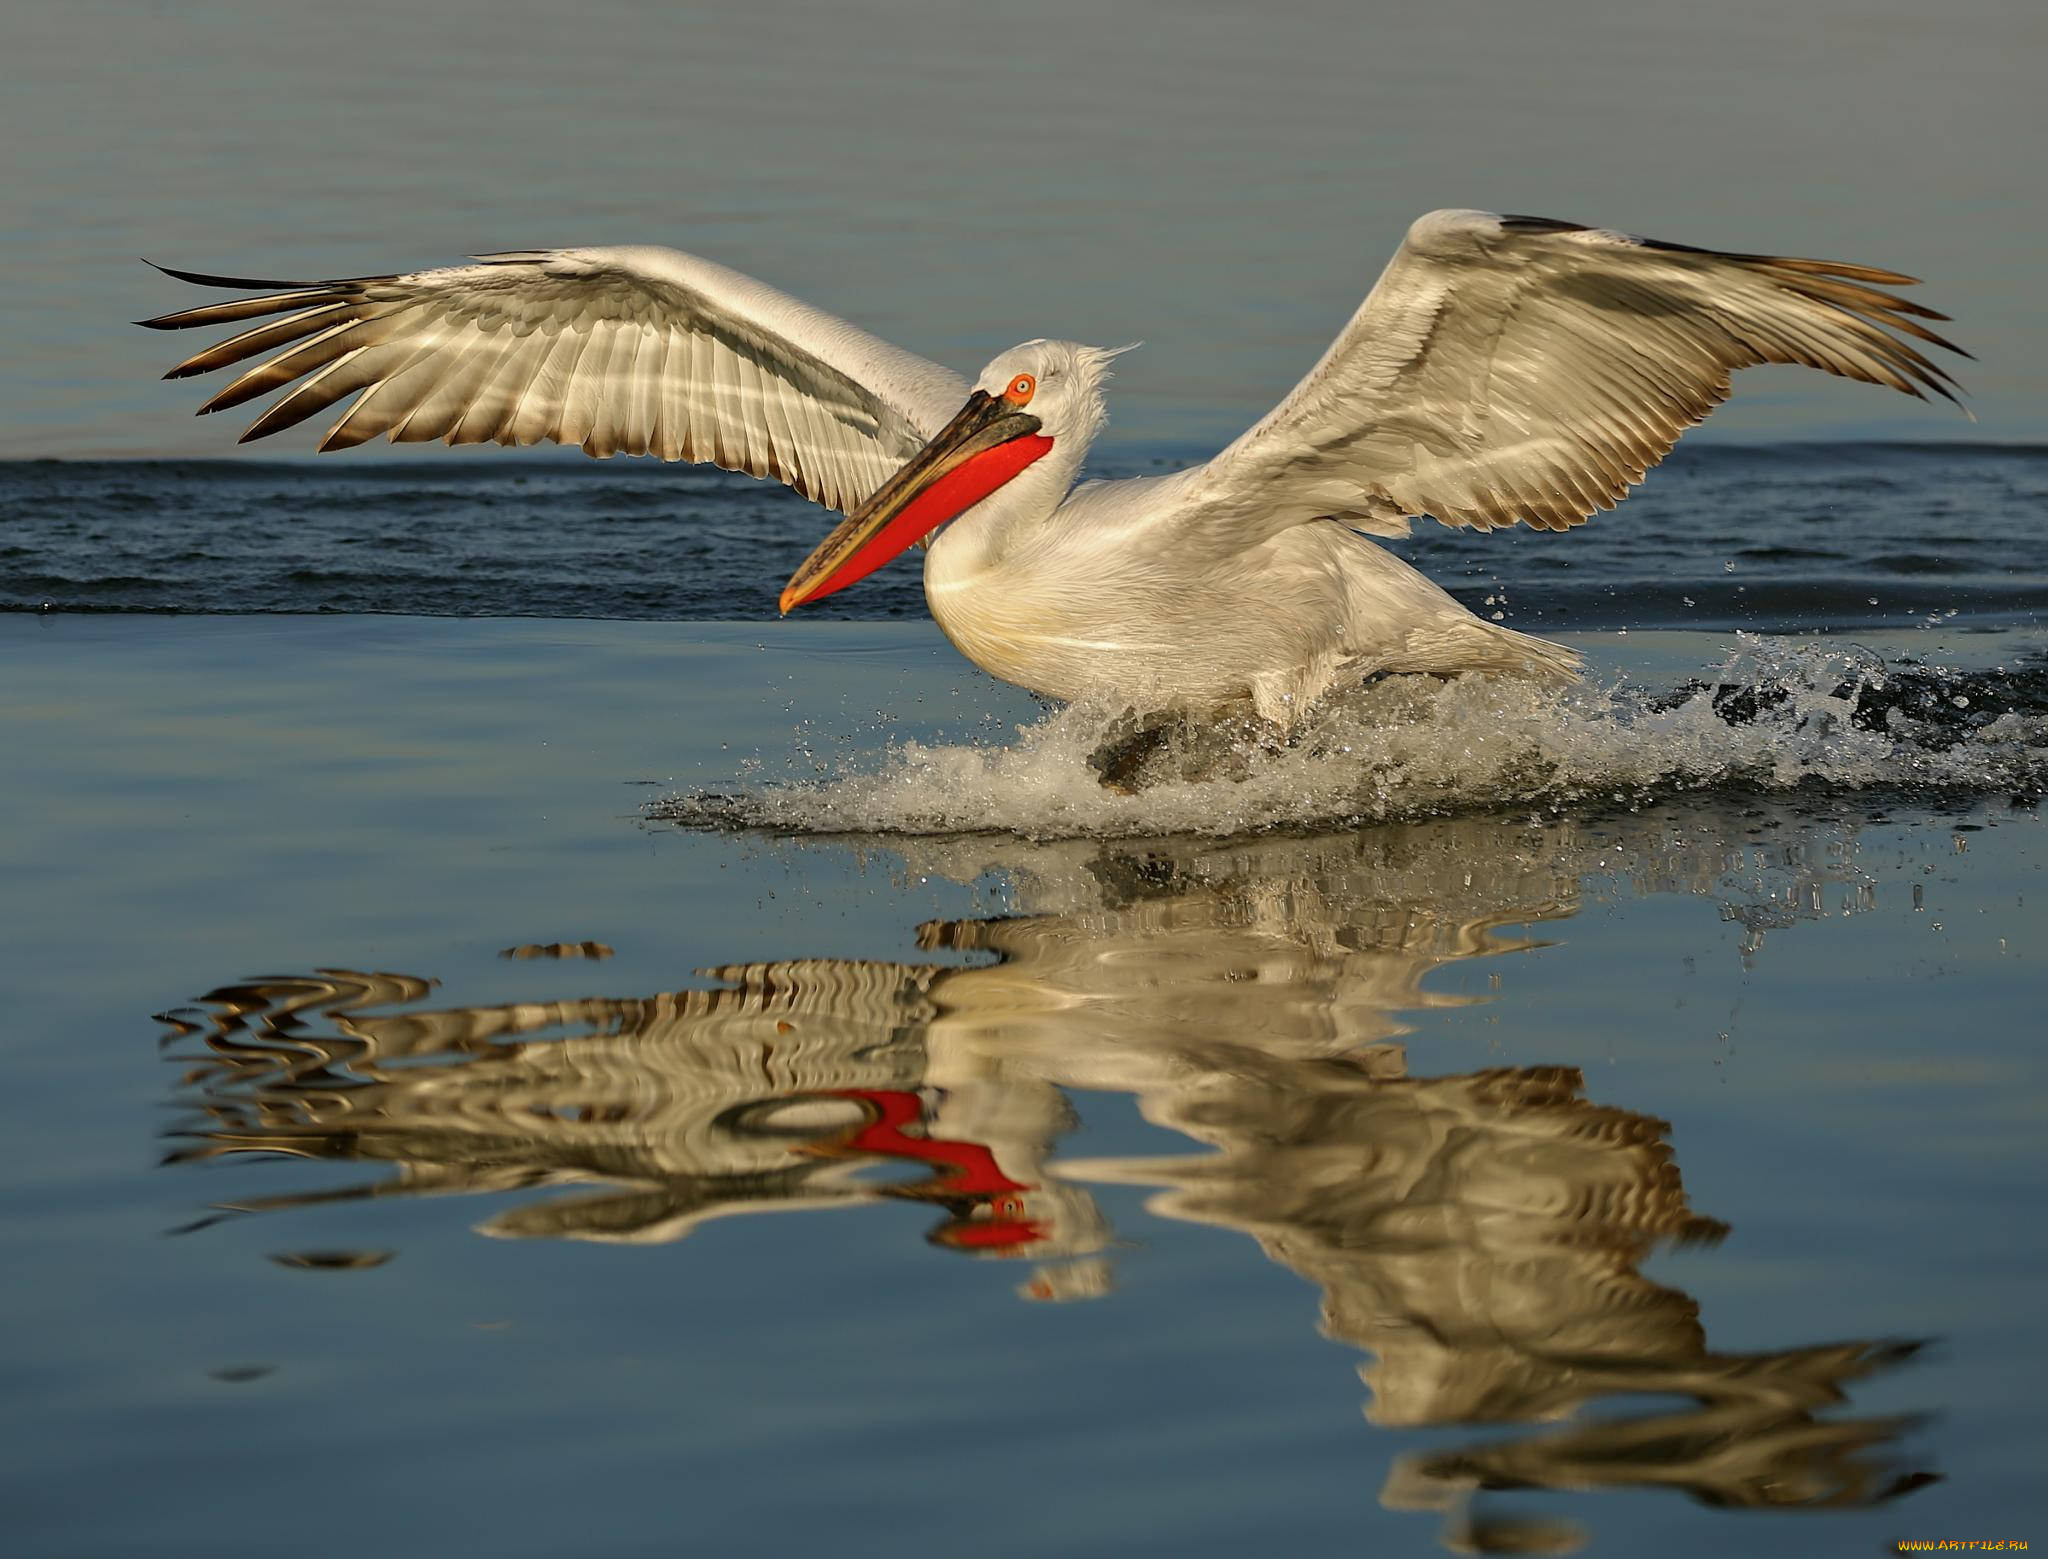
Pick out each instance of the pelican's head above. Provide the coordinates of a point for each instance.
(1027, 401)
(1063, 381)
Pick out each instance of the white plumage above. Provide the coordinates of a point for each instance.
(1503, 370)
(633, 351)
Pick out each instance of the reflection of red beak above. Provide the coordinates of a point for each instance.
(961, 1168)
(962, 1171)
(1000, 1234)
(974, 454)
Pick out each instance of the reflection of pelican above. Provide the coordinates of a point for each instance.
(1504, 370)
(770, 1094)
(1480, 1234)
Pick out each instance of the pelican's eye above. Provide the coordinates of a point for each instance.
(1021, 389)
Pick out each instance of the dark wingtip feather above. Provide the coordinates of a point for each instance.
(1516, 223)
(1843, 268)
(342, 436)
(205, 279)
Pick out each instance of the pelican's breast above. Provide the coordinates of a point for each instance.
(1014, 624)
(1082, 607)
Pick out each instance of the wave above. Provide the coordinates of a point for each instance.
(1764, 537)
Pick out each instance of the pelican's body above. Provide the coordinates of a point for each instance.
(1091, 599)
(1503, 370)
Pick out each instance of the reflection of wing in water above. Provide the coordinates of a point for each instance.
(772, 1092)
(1480, 1234)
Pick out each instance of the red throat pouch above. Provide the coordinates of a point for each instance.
(959, 490)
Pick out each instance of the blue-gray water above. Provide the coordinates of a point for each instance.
(1782, 537)
(1221, 182)
(1608, 1122)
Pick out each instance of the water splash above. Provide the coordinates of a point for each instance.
(1775, 715)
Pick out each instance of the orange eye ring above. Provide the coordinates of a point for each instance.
(1021, 389)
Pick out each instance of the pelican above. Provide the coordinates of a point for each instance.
(1504, 370)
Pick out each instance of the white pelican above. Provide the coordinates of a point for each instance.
(1504, 370)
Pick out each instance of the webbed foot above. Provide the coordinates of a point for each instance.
(1144, 751)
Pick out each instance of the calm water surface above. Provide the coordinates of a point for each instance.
(397, 1101)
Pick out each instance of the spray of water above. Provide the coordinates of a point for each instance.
(1775, 715)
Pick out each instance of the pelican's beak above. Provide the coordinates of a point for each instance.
(974, 454)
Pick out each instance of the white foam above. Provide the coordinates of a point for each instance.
(1410, 747)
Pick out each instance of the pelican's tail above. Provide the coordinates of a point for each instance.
(1523, 654)
(1465, 643)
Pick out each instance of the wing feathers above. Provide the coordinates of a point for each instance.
(322, 390)
(580, 385)
(1516, 369)
(336, 341)
(618, 350)
(439, 411)
(539, 409)
(239, 309)
(488, 406)
(641, 411)
(263, 338)
(398, 374)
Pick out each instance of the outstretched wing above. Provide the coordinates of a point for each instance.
(1517, 370)
(642, 350)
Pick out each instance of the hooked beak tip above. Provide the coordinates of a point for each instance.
(789, 599)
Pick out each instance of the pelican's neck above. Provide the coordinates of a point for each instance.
(988, 532)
